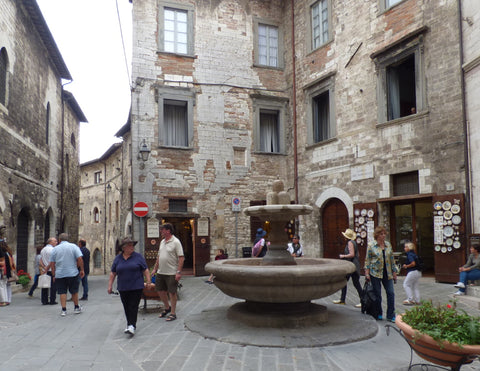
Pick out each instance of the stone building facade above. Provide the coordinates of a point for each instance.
(365, 123)
(471, 71)
(39, 133)
(105, 202)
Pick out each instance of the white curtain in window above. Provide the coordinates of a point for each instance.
(267, 45)
(268, 132)
(393, 84)
(175, 124)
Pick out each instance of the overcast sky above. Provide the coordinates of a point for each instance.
(87, 32)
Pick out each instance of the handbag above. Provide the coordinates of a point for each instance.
(44, 281)
(13, 276)
(369, 300)
(3, 291)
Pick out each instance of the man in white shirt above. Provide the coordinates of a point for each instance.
(168, 266)
(44, 262)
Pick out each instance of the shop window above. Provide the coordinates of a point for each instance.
(405, 184)
(175, 117)
(269, 125)
(319, 23)
(268, 45)
(401, 80)
(175, 29)
(177, 205)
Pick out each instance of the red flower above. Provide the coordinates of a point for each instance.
(449, 306)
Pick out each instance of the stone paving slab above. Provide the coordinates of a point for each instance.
(35, 337)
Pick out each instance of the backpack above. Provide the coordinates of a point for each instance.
(419, 264)
(369, 300)
(257, 247)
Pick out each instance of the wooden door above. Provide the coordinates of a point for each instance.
(201, 246)
(334, 222)
(450, 243)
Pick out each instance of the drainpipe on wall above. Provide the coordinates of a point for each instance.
(62, 162)
(468, 195)
(105, 218)
(294, 107)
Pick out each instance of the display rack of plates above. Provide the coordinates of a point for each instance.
(447, 223)
(364, 225)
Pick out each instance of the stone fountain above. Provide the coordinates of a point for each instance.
(278, 289)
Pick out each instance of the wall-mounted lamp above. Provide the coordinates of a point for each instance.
(144, 150)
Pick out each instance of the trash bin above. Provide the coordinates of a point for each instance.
(247, 252)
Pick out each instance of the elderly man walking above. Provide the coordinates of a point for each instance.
(168, 266)
(67, 267)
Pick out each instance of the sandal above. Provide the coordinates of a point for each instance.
(171, 317)
(164, 313)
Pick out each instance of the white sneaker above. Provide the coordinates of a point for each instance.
(63, 313)
(459, 293)
(459, 285)
(131, 329)
(77, 310)
(126, 331)
(358, 305)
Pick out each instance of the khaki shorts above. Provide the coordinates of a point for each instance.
(165, 282)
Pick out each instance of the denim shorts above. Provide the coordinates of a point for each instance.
(70, 283)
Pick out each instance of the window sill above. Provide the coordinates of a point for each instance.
(263, 66)
(321, 144)
(269, 153)
(188, 56)
(175, 147)
(312, 51)
(404, 119)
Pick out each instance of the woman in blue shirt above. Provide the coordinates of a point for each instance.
(131, 268)
(413, 276)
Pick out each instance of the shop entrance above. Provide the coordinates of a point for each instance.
(183, 230)
(412, 220)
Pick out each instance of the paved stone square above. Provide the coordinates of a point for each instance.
(35, 337)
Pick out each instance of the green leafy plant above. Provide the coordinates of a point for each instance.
(24, 278)
(444, 323)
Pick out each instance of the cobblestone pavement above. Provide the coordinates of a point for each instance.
(35, 337)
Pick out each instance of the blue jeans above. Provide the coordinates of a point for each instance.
(84, 282)
(34, 286)
(388, 286)
(472, 275)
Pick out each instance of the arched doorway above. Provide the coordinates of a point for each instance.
(334, 221)
(22, 240)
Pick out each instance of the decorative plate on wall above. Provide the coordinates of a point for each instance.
(449, 242)
(455, 209)
(437, 205)
(456, 219)
(448, 231)
(444, 249)
(446, 205)
(457, 244)
(370, 213)
(447, 214)
(437, 248)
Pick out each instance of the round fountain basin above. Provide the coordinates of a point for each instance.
(308, 280)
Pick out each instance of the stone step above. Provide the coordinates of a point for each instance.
(473, 291)
(471, 301)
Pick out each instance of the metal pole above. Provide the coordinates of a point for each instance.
(236, 234)
(141, 238)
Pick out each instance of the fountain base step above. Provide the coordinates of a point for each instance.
(345, 325)
(278, 315)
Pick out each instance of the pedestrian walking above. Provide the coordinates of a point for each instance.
(36, 266)
(168, 267)
(131, 268)
(411, 282)
(86, 267)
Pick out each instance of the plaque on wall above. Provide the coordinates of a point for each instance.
(202, 227)
(153, 228)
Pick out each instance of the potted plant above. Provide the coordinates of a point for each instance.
(24, 278)
(441, 334)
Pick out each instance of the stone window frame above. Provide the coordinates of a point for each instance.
(261, 103)
(97, 177)
(162, 5)
(412, 44)
(178, 94)
(383, 5)
(96, 215)
(280, 47)
(309, 34)
(313, 90)
(5, 78)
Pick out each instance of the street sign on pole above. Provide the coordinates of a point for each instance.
(140, 209)
(236, 204)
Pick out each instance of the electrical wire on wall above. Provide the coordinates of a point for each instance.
(123, 45)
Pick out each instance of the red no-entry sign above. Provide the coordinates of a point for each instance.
(140, 209)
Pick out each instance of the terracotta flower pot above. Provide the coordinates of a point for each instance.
(446, 354)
